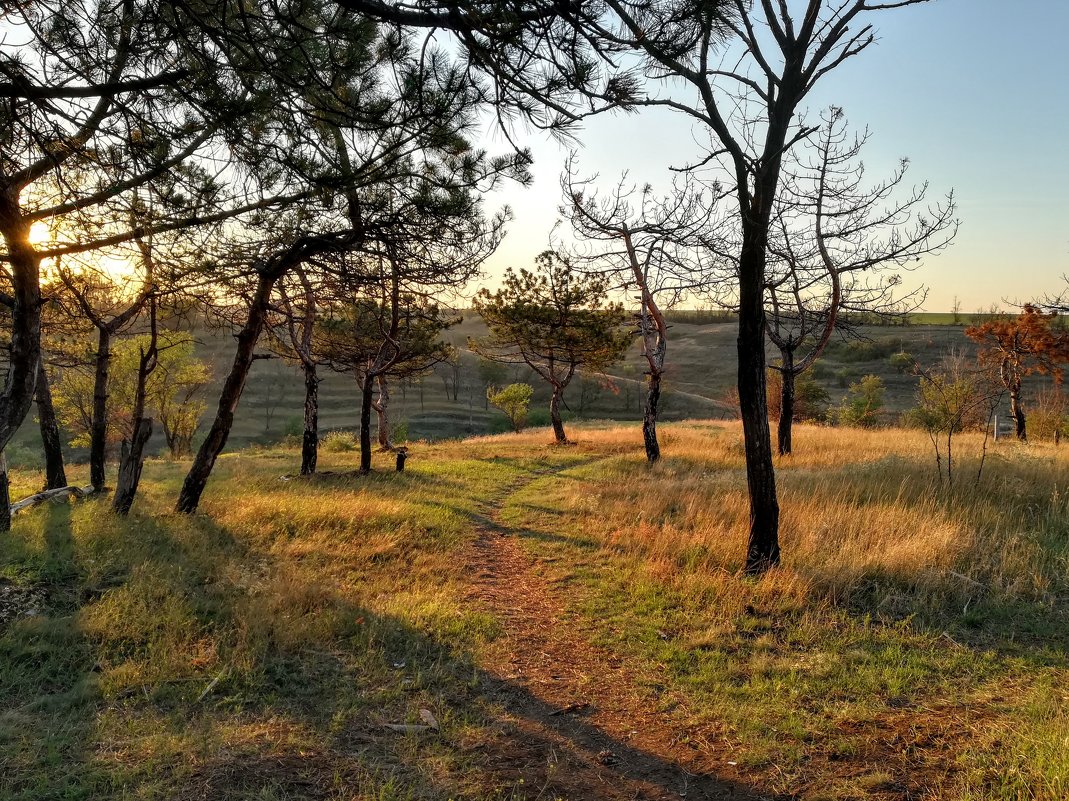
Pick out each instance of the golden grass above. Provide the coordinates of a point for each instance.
(856, 507)
(304, 596)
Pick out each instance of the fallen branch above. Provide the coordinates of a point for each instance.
(51, 495)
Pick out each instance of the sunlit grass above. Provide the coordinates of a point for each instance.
(255, 649)
(895, 591)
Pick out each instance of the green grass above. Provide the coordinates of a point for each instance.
(914, 641)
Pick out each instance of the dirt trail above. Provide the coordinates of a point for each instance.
(580, 724)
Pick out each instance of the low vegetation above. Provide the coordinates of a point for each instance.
(912, 645)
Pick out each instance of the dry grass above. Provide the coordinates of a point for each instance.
(895, 592)
(857, 507)
(914, 631)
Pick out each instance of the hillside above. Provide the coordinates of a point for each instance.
(510, 620)
(700, 375)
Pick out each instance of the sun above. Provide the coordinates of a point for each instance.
(40, 234)
(119, 268)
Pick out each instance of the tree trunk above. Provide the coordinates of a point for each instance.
(24, 346)
(5, 495)
(55, 474)
(554, 415)
(382, 409)
(649, 417)
(1017, 410)
(310, 441)
(367, 393)
(786, 403)
(130, 468)
(201, 469)
(98, 427)
(762, 550)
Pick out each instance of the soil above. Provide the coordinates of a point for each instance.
(580, 721)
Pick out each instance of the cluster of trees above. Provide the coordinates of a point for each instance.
(306, 169)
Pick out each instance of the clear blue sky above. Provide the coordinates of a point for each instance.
(974, 92)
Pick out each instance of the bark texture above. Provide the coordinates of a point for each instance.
(310, 440)
(382, 410)
(5, 495)
(130, 468)
(762, 550)
(367, 395)
(1017, 410)
(55, 472)
(786, 403)
(649, 417)
(197, 477)
(98, 430)
(554, 415)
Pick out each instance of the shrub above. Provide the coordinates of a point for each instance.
(338, 441)
(863, 404)
(514, 400)
(902, 362)
(866, 350)
(1048, 420)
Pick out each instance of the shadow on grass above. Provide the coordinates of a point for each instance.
(189, 666)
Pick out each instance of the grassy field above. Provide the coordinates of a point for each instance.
(700, 375)
(572, 621)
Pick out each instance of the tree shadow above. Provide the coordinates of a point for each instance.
(295, 699)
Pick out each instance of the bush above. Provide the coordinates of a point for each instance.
(868, 350)
(820, 370)
(1048, 419)
(863, 404)
(339, 441)
(902, 362)
(843, 376)
(514, 401)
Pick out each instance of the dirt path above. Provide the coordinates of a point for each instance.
(580, 723)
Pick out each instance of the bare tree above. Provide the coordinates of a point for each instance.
(672, 55)
(835, 244)
(655, 244)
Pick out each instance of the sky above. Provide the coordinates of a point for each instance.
(974, 92)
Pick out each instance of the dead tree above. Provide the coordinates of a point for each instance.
(836, 246)
(670, 55)
(652, 243)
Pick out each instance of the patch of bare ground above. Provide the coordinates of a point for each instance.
(906, 753)
(17, 601)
